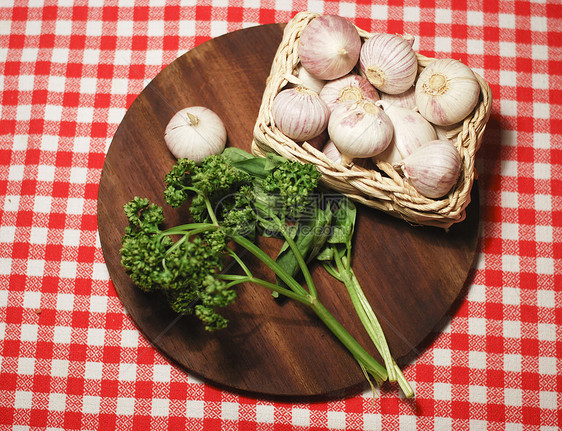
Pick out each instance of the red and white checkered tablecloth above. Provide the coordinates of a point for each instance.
(70, 356)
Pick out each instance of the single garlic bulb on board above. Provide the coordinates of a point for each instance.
(446, 92)
(433, 169)
(195, 133)
(389, 62)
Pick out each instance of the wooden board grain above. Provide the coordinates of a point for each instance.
(411, 275)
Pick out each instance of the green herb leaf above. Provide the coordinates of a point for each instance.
(309, 238)
(236, 154)
(343, 223)
(258, 167)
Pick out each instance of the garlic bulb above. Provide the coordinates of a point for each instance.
(318, 141)
(329, 47)
(299, 113)
(406, 99)
(309, 81)
(389, 62)
(359, 130)
(195, 133)
(331, 152)
(448, 132)
(349, 88)
(446, 92)
(433, 169)
(411, 131)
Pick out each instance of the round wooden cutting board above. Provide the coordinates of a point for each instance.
(411, 275)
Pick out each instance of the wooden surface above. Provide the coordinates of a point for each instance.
(411, 275)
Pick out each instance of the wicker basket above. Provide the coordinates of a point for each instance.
(381, 187)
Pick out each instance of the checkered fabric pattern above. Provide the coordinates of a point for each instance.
(71, 358)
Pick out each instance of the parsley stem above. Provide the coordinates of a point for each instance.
(365, 312)
(300, 260)
(232, 277)
(275, 267)
(185, 228)
(244, 267)
(358, 352)
(202, 227)
(291, 243)
(332, 271)
(239, 279)
(211, 211)
(404, 385)
(207, 203)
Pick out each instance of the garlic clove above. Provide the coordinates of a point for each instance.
(331, 152)
(329, 47)
(407, 99)
(411, 131)
(446, 92)
(318, 141)
(195, 133)
(309, 81)
(348, 89)
(433, 169)
(359, 130)
(389, 62)
(299, 113)
(391, 155)
(448, 132)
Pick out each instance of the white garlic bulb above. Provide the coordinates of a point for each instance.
(448, 132)
(318, 141)
(309, 81)
(407, 99)
(349, 88)
(389, 62)
(329, 47)
(195, 133)
(433, 169)
(411, 131)
(332, 152)
(299, 113)
(446, 92)
(359, 130)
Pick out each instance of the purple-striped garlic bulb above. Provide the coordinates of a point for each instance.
(446, 92)
(299, 113)
(411, 131)
(389, 62)
(349, 88)
(433, 169)
(331, 152)
(407, 99)
(359, 130)
(329, 47)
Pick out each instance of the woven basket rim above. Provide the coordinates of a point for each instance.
(381, 188)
